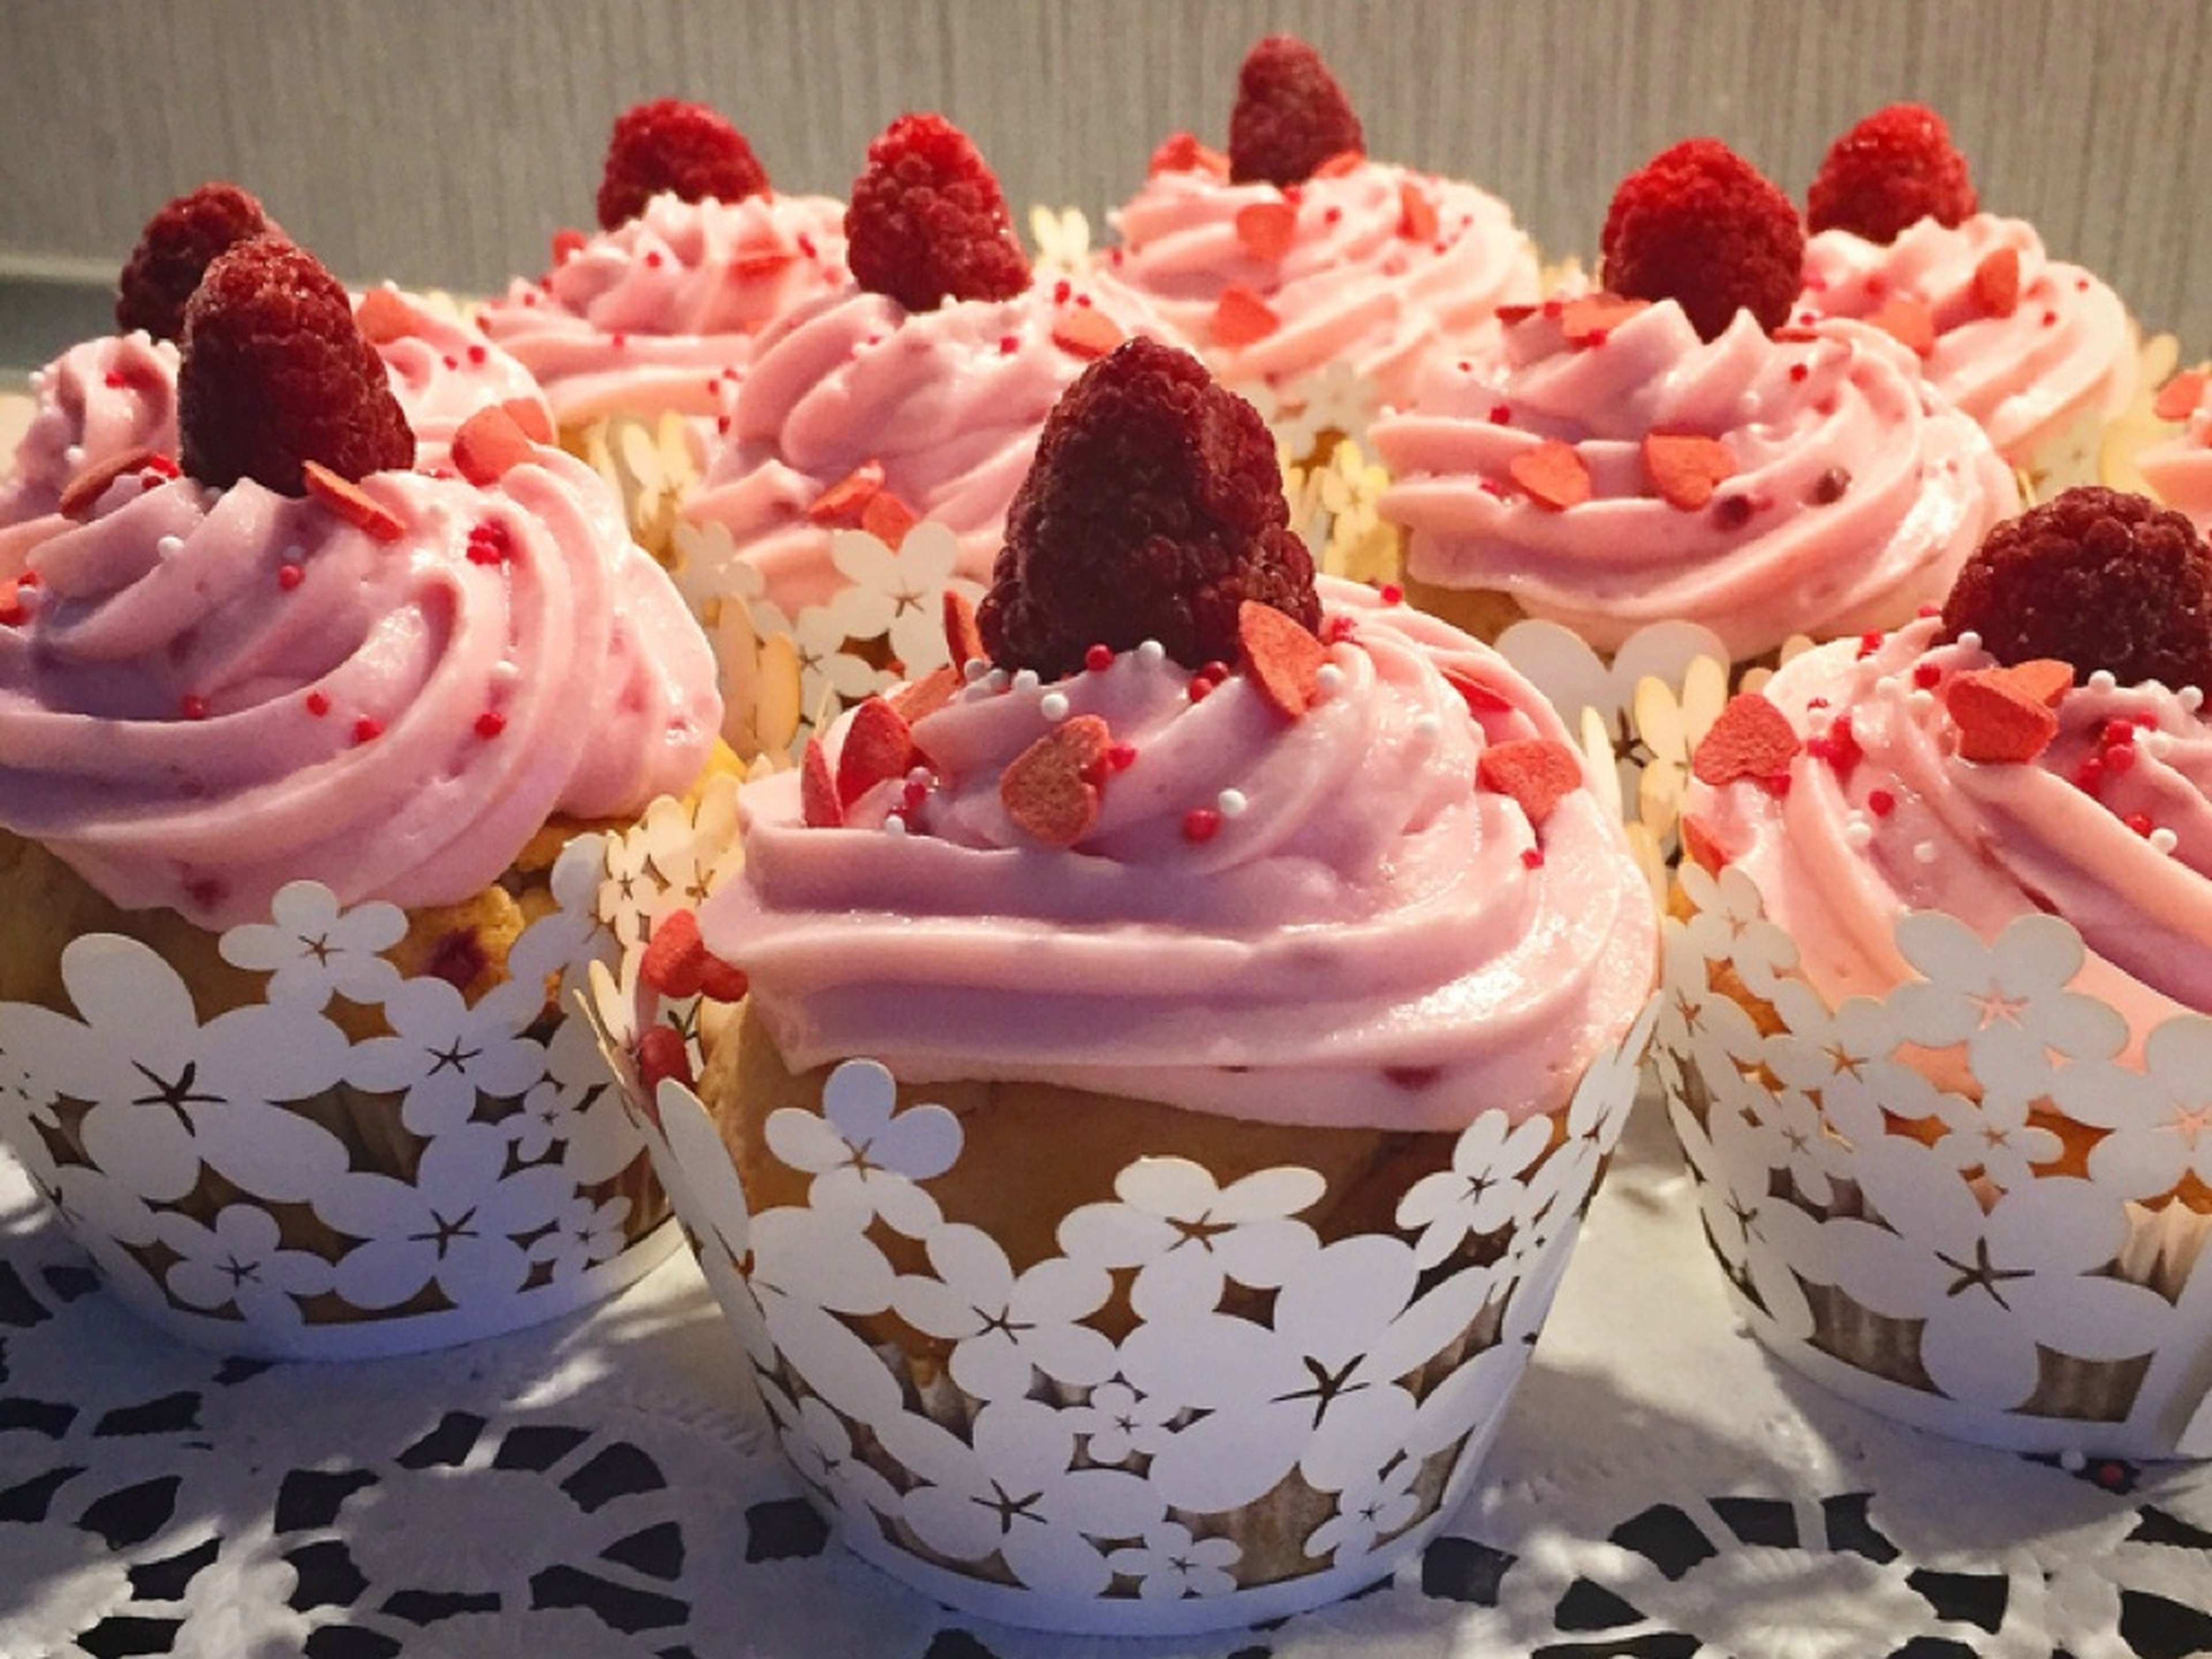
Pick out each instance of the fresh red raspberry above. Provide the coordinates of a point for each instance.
(2097, 578)
(275, 373)
(669, 145)
(1892, 170)
(928, 222)
(1291, 115)
(1154, 509)
(174, 251)
(1700, 225)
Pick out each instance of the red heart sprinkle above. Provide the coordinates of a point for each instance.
(1051, 791)
(1535, 771)
(819, 805)
(530, 415)
(1685, 469)
(383, 317)
(1266, 229)
(1589, 319)
(1752, 738)
(917, 699)
(1551, 475)
(488, 443)
(92, 482)
(964, 640)
(1181, 152)
(351, 503)
(1240, 317)
(1909, 321)
(1480, 699)
(842, 503)
(1417, 214)
(1281, 659)
(1344, 161)
(1084, 331)
(1997, 282)
(1704, 851)
(1998, 719)
(878, 745)
(2178, 398)
(661, 1055)
(888, 519)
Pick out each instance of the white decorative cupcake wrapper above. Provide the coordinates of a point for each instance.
(1887, 1188)
(1105, 1419)
(261, 1184)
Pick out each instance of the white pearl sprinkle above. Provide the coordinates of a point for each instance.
(895, 825)
(1053, 705)
(918, 774)
(1328, 679)
(169, 546)
(1427, 728)
(2157, 744)
(2164, 839)
(974, 668)
(1920, 700)
(995, 680)
(2191, 696)
(1858, 832)
(1026, 680)
(2103, 680)
(1230, 803)
(2072, 1461)
(1924, 852)
(295, 555)
(1151, 652)
(74, 455)
(1969, 640)
(506, 673)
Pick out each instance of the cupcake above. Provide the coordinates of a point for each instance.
(1939, 988)
(695, 255)
(1312, 279)
(1668, 449)
(1204, 904)
(2176, 466)
(916, 394)
(291, 746)
(2041, 352)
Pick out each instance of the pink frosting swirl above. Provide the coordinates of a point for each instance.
(949, 402)
(1910, 825)
(1856, 492)
(209, 694)
(651, 316)
(443, 371)
(100, 399)
(1365, 941)
(2041, 377)
(1355, 285)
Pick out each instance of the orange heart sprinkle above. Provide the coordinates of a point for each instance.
(1052, 790)
(1240, 317)
(1266, 229)
(350, 502)
(1281, 659)
(1685, 469)
(1551, 475)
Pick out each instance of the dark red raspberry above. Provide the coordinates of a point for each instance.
(275, 373)
(928, 222)
(1700, 225)
(1291, 115)
(2097, 578)
(669, 145)
(1154, 509)
(1892, 170)
(174, 251)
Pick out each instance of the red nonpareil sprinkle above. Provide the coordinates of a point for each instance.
(1098, 658)
(1752, 738)
(1551, 475)
(1052, 790)
(1998, 719)
(1085, 333)
(488, 444)
(1500, 414)
(490, 724)
(1417, 214)
(2177, 398)
(842, 503)
(318, 703)
(490, 542)
(1997, 282)
(1201, 824)
(1839, 745)
(351, 503)
(1536, 772)
(2050, 319)
(2121, 732)
(1532, 858)
(193, 706)
(1061, 291)
(819, 808)
(1829, 487)
(1926, 674)
(2119, 759)
(662, 1057)
(1909, 322)
(367, 729)
(1869, 644)
(879, 746)
(85, 491)
(2089, 776)
(1391, 594)
(114, 380)
(1685, 468)
(1281, 657)
(1200, 688)
(1880, 803)
(2140, 823)
(1265, 229)
(1240, 317)
(289, 576)
(1009, 344)
(1800, 373)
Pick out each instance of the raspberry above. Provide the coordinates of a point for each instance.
(275, 375)
(927, 224)
(174, 251)
(1154, 509)
(1291, 115)
(1699, 225)
(1892, 169)
(2097, 578)
(671, 146)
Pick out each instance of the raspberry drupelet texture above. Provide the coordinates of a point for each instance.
(1291, 115)
(1892, 170)
(275, 373)
(1154, 510)
(174, 251)
(928, 222)
(669, 145)
(2097, 578)
(1700, 225)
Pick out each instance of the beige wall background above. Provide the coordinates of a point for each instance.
(440, 143)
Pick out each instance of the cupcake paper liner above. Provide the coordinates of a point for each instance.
(262, 1183)
(1197, 1414)
(1972, 1204)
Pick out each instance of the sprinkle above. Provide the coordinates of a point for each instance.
(2164, 839)
(193, 706)
(1858, 834)
(490, 724)
(2139, 822)
(1328, 679)
(1052, 789)
(1098, 658)
(1968, 639)
(2102, 680)
(1551, 475)
(1427, 728)
(1926, 674)
(1026, 680)
(367, 729)
(1798, 371)
(894, 825)
(1828, 489)
(974, 668)
(1880, 803)
(1230, 803)
(289, 576)
(1393, 594)
(1151, 652)
(1200, 688)
(1732, 512)
(2119, 731)
(1532, 858)
(1265, 229)
(1684, 468)
(2191, 698)
(1053, 705)
(1924, 852)
(1201, 823)
(169, 546)
(1121, 756)
(2072, 1461)
(1920, 700)
(1240, 317)
(318, 704)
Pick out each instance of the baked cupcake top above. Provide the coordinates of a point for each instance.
(1263, 851)
(2029, 346)
(2038, 747)
(695, 255)
(1676, 455)
(916, 392)
(300, 659)
(1294, 252)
